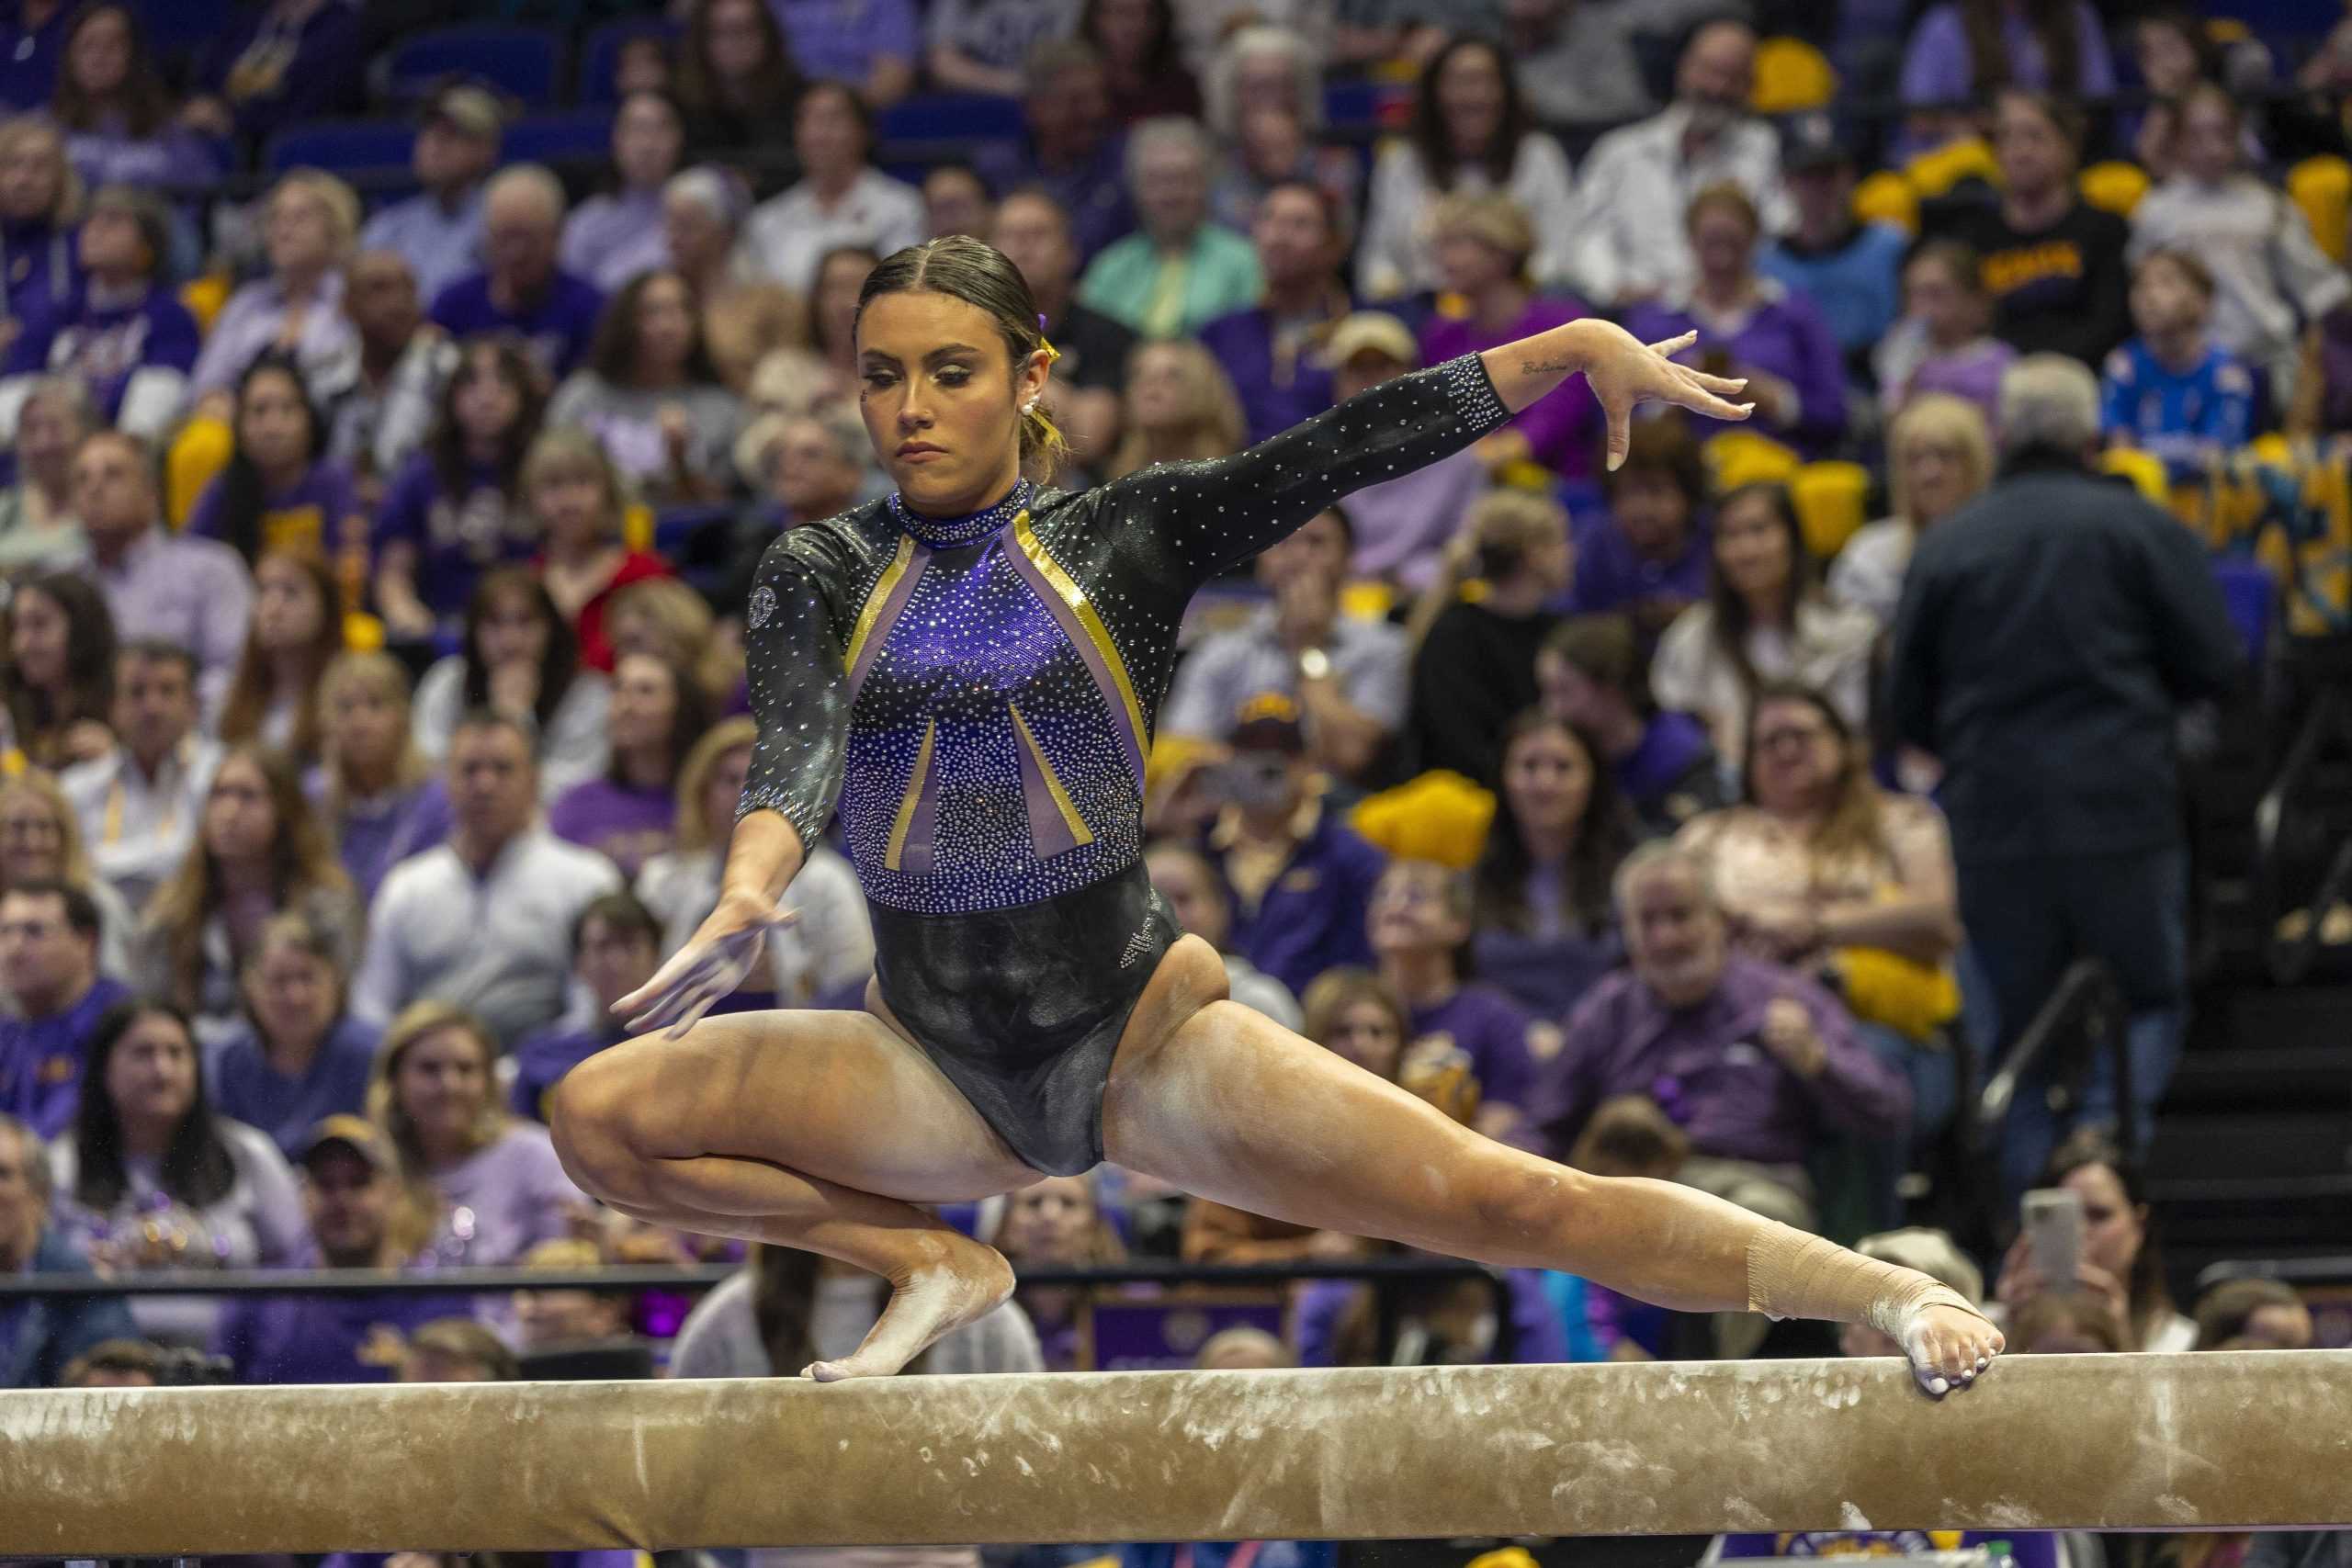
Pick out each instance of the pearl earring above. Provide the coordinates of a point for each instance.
(1029, 406)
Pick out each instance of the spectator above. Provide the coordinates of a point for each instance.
(868, 44)
(1592, 675)
(642, 64)
(1629, 242)
(1963, 51)
(1072, 149)
(451, 1349)
(32, 37)
(482, 921)
(1579, 63)
(2174, 53)
(1940, 457)
(578, 500)
(119, 331)
(833, 314)
(114, 1363)
(1180, 408)
(1265, 108)
(840, 198)
(138, 804)
(1183, 876)
(455, 511)
(1136, 40)
(434, 1092)
(657, 712)
(379, 799)
(808, 468)
(2053, 262)
(1753, 1062)
(1943, 344)
(738, 80)
(566, 1320)
(280, 62)
(1751, 327)
(828, 949)
(1472, 1049)
(956, 200)
(651, 397)
(58, 675)
(298, 1056)
(1484, 246)
(2172, 391)
(744, 319)
(280, 492)
(664, 620)
(521, 289)
(438, 232)
(2049, 633)
(151, 1177)
(360, 1217)
(1345, 673)
(1647, 556)
(56, 996)
(1474, 660)
(1470, 134)
(2270, 274)
(2121, 1268)
(616, 948)
(1765, 618)
(405, 365)
(40, 842)
(1180, 271)
(298, 631)
(258, 852)
(1402, 525)
(40, 204)
(1059, 1223)
(519, 659)
(1032, 229)
(1301, 877)
(1849, 269)
(45, 1333)
(980, 46)
(2252, 1313)
(308, 222)
(612, 238)
(1542, 929)
(1270, 349)
(38, 528)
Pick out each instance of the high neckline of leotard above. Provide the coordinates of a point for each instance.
(969, 529)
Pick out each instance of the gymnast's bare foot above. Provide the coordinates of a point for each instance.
(965, 1282)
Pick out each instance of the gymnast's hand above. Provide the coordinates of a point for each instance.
(724, 948)
(1624, 372)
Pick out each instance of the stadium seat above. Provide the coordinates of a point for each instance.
(600, 57)
(2113, 186)
(1830, 499)
(2322, 186)
(1791, 76)
(952, 116)
(559, 138)
(340, 146)
(518, 62)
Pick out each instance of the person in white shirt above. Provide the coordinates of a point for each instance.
(841, 199)
(483, 922)
(1629, 242)
(138, 805)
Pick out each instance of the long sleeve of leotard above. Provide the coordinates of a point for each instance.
(1209, 516)
(794, 631)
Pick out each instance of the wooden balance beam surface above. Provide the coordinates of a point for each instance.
(2168, 1442)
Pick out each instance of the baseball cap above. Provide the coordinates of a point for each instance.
(1268, 722)
(357, 1133)
(1813, 148)
(468, 108)
(1374, 332)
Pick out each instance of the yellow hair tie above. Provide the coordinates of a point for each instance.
(1052, 353)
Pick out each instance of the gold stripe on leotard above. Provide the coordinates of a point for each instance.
(1078, 828)
(1082, 607)
(877, 599)
(914, 795)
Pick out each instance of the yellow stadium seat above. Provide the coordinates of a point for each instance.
(1934, 173)
(1887, 198)
(1791, 76)
(1369, 598)
(1830, 499)
(2145, 470)
(198, 452)
(362, 633)
(2113, 186)
(204, 297)
(1440, 816)
(636, 529)
(1739, 457)
(2322, 186)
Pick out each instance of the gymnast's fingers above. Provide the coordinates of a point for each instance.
(1674, 346)
(682, 963)
(1691, 391)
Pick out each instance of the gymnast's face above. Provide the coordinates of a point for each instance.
(942, 400)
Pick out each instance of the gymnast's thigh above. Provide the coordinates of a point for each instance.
(842, 1097)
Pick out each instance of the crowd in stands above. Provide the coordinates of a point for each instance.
(372, 704)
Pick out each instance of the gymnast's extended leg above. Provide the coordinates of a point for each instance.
(814, 1129)
(1231, 1106)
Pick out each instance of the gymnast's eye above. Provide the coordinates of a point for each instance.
(954, 375)
(876, 378)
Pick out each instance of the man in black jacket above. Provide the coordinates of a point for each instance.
(2050, 634)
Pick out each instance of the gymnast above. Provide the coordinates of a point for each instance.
(969, 671)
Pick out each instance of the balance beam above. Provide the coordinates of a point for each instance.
(2166, 1442)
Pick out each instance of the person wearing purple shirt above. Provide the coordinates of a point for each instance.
(868, 44)
(1940, 68)
(1073, 150)
(38, 261)
(1486, 241)
(610, 239)
(1269, 351)
(521, 289)
(119, 331)
(48, 964)
(379, 831)
(617, 945)
(1752, 1061)
(629, 815)
(306, 514)
(358, 1218)
(1649, 556)
(281, 63)
(300, 1058)
(1402, 525)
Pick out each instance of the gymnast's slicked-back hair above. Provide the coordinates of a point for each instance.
(979, 274)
